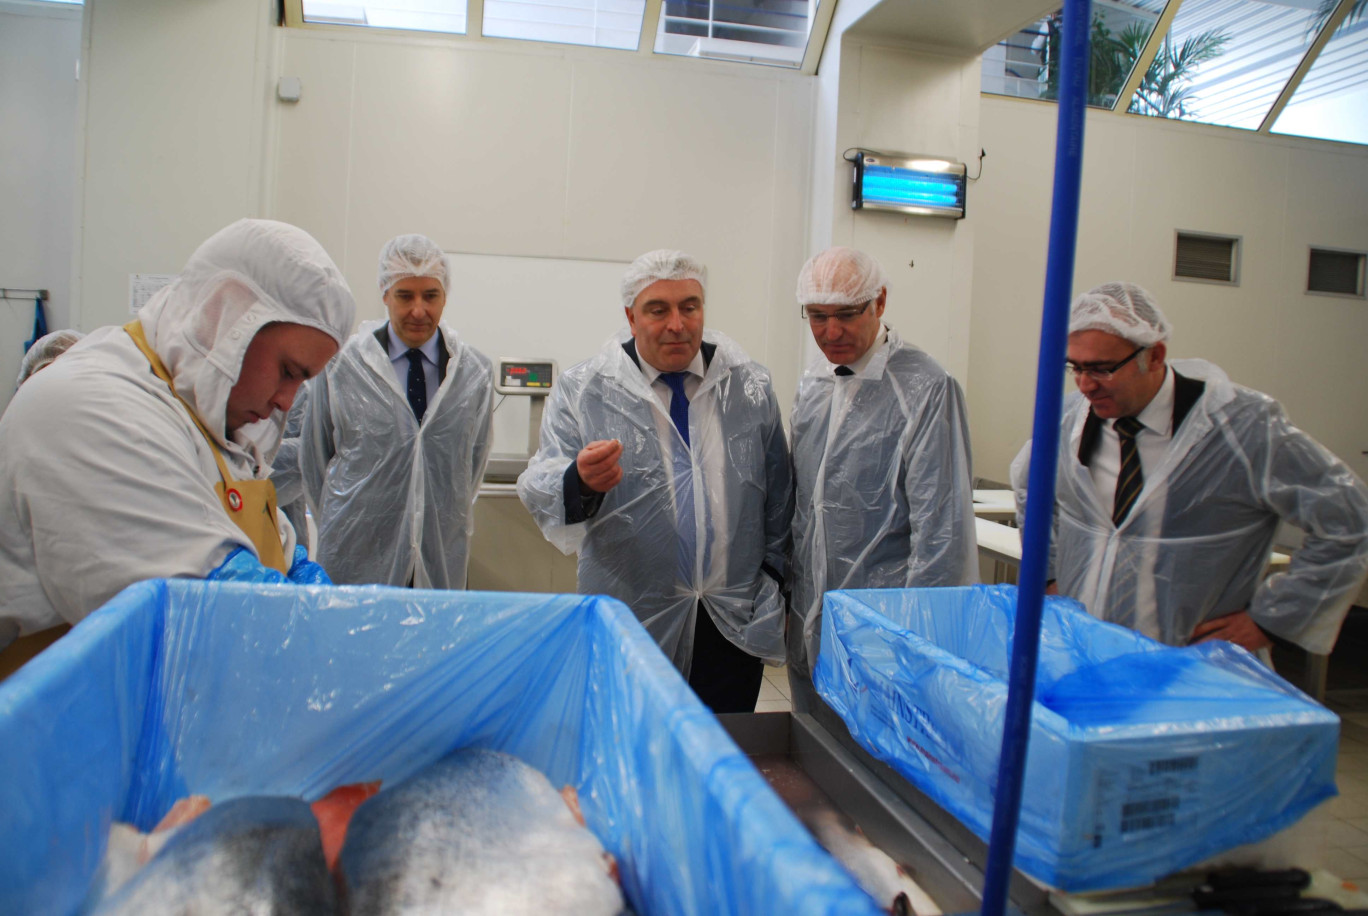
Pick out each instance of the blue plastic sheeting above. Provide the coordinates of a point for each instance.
(1143, 759)
(229, 689)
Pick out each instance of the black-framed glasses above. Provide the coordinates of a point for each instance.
(1101, 372)
(842, 314)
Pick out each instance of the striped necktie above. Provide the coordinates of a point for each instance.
(1131, 480)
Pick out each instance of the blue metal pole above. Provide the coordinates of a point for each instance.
(1035, 536)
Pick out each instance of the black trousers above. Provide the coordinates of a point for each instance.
(726, 679)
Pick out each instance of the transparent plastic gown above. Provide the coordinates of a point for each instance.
(739, 465)
(394, 500)
(884, 493)
(1196, 542)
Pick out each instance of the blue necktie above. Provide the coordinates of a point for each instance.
(679, 402)
(682, 466)
(417, 383)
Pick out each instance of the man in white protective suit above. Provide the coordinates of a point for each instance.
(663, 463)
(1172, 481)
(144, 451)
(880, 452)
(396, 434)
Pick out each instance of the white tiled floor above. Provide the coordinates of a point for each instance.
(1345, 841)
(1346, 837)
(774, 691)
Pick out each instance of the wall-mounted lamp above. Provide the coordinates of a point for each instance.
(921, 185)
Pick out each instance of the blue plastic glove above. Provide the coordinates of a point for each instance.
(306, 571)
(243, 566)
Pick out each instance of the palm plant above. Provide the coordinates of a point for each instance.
(1165, 91)
(1327, 9)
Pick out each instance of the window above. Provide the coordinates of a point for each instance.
(1027, 64)
(1226, 61)
(602, 23)
(756, 31)
(416, 15)
(1213, 258)
(1332, 101)
(1335, 272)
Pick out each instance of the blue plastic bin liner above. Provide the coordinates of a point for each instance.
(225, 689)
(1143, 759)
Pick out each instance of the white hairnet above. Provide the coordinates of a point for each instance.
(661, 264)
(840, 276)
(246, 276)
(1123, 309)
(407, 256)
(44, 350)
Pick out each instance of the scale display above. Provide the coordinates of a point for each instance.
(526, 376)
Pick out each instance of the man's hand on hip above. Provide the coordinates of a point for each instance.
(1238, 628)
(598, 465)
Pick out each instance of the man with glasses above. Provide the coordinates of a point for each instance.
(880, 452)
(663, 464)
(1172, 482)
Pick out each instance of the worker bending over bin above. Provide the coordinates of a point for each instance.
(396, 435)
(1172, 481)
(144, 451)
(880, 452)
(663, 463)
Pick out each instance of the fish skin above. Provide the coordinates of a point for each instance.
(479, 832)
(257, 855)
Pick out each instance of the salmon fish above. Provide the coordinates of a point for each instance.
(256, 855)
(478, 832)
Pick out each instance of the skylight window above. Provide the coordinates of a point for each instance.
(1332, 101)
(415, 15)
(1027, 64)
(756, 31)
(1225, 61)
(602, 23)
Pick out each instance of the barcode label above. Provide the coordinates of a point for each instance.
(1153, 806)
(1172, 765)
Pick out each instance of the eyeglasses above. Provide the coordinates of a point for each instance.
(1101, 372)
(844, 315)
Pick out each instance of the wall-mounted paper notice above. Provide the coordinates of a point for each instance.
(142, 286)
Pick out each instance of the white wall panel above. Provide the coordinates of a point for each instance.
(1142, 180)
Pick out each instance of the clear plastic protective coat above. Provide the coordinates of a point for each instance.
(394, 499)
(1143, 759)
(229, 690)
(740, 462)
(882, 474)
(1197, 540)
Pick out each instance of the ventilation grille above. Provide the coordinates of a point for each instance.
(1339, 272)
(1206, 257)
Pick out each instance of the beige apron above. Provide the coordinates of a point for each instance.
(251, 504)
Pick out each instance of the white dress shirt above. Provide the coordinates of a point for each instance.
(1153, 442)
(662, 391)
(398, 354)
(858, 366)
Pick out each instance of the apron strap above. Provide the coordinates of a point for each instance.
(135, 331)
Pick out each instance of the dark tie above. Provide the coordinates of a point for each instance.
(1131, 480)
(843, 371)
(679, 402)
(417, 384)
